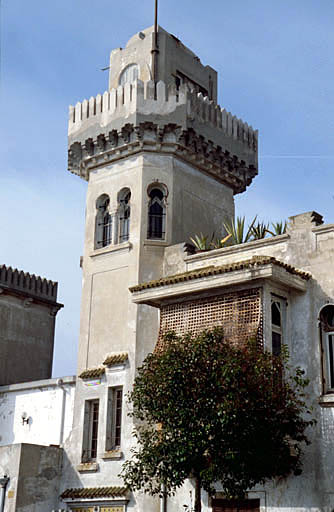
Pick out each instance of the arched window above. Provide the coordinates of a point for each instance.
(103, 227)
(129, 74)
(156, 213)
(327, 338)
(124, 211)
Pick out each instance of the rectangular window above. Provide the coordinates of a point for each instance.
(278, 305)
(235, 505)
(330, 359)
(91, 427)
(114, 418)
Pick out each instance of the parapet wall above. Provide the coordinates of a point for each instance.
(136, 103)
(28, 283)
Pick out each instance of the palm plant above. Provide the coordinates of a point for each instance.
(279, 228)
(259, 230)
(219, 243)
(237, 230)
(202, 242)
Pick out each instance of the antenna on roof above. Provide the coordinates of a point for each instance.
(155, 47)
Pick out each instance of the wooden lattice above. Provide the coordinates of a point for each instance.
(239, 313)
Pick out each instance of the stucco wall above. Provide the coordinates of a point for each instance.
(33, 473)
(25, 329)
(309, 246)
(49, 409)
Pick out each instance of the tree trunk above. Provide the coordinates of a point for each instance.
(198, 502)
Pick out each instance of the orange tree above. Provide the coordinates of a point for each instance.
(207, 409)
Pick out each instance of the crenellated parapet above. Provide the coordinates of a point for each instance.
(137, 118)
(28, 285)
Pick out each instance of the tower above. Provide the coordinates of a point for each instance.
(163, 162)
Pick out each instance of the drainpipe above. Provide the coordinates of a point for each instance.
(163, 499)
(3, 484)
(60, 383)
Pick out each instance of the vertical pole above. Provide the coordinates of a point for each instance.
(155, 49)
(3, 484)
(163, 499)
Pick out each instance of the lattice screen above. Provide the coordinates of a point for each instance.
(240, 313)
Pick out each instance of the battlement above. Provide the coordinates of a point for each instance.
(135, 117)
(29, 284)
(139, 98)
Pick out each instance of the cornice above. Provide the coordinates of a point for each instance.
(168, 139)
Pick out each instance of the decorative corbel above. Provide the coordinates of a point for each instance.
(27, 302)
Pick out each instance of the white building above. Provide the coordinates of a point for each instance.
(163, 162)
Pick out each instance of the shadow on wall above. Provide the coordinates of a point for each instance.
(7, 415)
(70, 478)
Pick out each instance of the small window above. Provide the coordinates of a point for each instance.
(129, 74)
(114, 419)
(223, 505)
(91, 427)
(156, 214)
(327, 338)
(277, 315)
(104, 224)
(124, 211)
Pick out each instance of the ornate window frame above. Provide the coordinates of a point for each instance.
(156, 211)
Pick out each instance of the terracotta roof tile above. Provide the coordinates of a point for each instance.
(223, 269)
(116, 359)
(92, 373)
(94, 492)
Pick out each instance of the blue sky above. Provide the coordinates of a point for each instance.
(276, 71)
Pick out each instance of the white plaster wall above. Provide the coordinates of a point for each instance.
(310, 248)
(48, 406)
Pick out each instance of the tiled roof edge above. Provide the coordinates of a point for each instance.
(92, 373)
(117, 358)
(212, 270)
(94, 492)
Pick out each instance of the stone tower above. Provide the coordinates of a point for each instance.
(136, 145)
(163, 162)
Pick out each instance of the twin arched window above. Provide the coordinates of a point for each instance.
(112, 228)
(156, 213)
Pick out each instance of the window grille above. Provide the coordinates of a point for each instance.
(114, 419)
(327, 335)
(330, 358)
(156, 215)
(91, 428)
(277, 306)
(106, 230)
(124, 212)
(104, 224)
(239, 313)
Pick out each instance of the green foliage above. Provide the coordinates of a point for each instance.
(220, 242)
(237, 234)
(202, 242)
(259, 231)
(279, 228)
(237, 230)
(215, 411)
